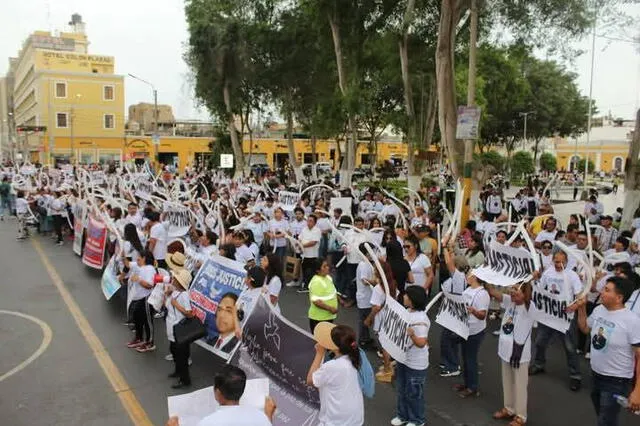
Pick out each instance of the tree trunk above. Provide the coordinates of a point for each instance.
(250, 131)
(447, 111)
(351, 143)
(632, 179)
(293, 161)
(314, 172)
(236, 142)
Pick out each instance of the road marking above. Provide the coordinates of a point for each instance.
(46, 340)
(128, 399)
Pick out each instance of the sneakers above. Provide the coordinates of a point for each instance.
(169, 357)
(397, 421)
(135, 343)
(146, 347)
(60, 243)
(467, 393)
(496, 332)
(302, 290)
(292, 284)
(587, 355)
(158, 315)
(450, 373)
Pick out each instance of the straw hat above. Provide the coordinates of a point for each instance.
(176, 261)
(183, 277)
(322, 335)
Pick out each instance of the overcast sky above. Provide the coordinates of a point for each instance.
(147, 37)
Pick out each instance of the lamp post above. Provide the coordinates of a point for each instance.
(524, 136)
(155, 137)
(72, 140)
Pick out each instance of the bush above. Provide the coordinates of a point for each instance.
(592, 167)
(548, 162)
(493, 159)
(521, 164)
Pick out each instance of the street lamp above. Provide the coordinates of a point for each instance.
(155, 116)
(72, 141)
(525, 115)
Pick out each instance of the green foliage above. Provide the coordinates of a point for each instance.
(492, 159)
(548, 162)
(521, 164)
(221, 145)
(591, 165)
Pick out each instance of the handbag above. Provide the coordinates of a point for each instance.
(188, 330)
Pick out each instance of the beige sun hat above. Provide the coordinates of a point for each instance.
(322, 335)
(176, 261)
(183, 277)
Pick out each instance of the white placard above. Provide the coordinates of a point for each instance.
(548, 306)
(505, 265)
(468, 122)
(343, 203)
(195, 406)
(453, 314)
(394, 320)
(226, 161)
(288, 200)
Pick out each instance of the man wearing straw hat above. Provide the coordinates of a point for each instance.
(178, 307)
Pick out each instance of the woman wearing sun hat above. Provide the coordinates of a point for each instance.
(175, 261)
(341, 401)
(178, 307)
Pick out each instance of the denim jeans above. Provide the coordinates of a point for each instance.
(470, 349)
(545, 335)
(363, 331)
(410, 389)
(5, 206)
(344, 280)
(602, 392)
(450, 349)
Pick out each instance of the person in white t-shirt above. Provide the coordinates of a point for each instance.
(228, 387)
(142, 282)
(419, 263)
(158, 239)
(278, 227)
(615, 350)
(133, 215)
(548, 234)
(273, 269)
(178, 307)
(309, 238)
(257, 226)
(22, 212)
(477, 300)
(365, 281)
(341, 400)
(565, 282)
(412, 373)
(514, 351)
(243, 253)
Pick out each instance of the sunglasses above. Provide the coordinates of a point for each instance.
(407, 246)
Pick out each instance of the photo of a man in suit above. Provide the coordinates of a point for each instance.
(228, 326)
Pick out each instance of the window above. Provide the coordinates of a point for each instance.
(109, 121)
(62, 120)
(107, 93)
(61, 90)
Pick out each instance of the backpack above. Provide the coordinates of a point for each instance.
(366, 377)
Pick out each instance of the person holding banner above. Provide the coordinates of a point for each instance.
(178, 307)
(142, 279)
(615, 350)
(514, 351)
(341, 400)
(411, 374)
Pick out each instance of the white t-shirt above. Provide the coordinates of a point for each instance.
(174, 316)
(378, 298)
(363, 290)
(554, 282)
(296, 226)
(633, 304)
(273, 289)
(159, 232)
(418, 358)
(130, 252)
(355, 238)
(136, 220)
(146, 273)
(547, 261)
(546, 236)
(236, 415)
(341, 402)
(479, 299)
(613, 335)
(418, 265)
(22, 207)
(307, 235)
(258, 230)
(516, 323)
(244, 254)
(494, 204)
(278, 226)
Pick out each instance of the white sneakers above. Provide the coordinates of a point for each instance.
(397, 421)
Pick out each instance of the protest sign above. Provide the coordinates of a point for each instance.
(78, 227)
(191, 408)
(393, 329)
(217, 277)
(548, 306)
(343, 203)
(94, 245)
(109, 282)
(505, 265)
(98, 177)
(144, 190)
(275, 348)
(178, 218)
(288, 200)
(468, 122)
(453, 314)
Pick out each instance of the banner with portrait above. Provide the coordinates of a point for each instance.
(93, 255)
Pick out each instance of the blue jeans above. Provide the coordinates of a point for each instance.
(410, 389)
(545, 335)
(5, 206)
(470, 349)
(602, 392)
(364, 335)
(450, 349)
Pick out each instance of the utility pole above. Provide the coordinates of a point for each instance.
(155, 138)
(524, 136)
(593, 59)
(471, 100)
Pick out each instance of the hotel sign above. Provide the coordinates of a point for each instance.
(53, 43)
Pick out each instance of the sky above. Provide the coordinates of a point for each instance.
(147, 39)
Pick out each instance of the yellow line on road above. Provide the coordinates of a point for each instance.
(120, 386)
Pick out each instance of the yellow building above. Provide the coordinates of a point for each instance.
(607, 148)
(59, 86)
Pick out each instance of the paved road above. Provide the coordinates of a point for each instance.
(67, 385)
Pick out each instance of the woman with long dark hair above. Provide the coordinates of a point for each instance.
(400, 268)
(272, 266)
(341, 401)
(133, 247)
(475, 252)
